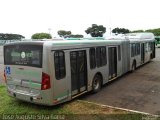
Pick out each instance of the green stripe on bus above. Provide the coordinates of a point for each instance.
(35, 84)
(61, 94)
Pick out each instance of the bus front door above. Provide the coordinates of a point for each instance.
(78, 72)
(112, 54)
(142, 53)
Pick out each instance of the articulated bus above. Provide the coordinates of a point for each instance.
(56, 71)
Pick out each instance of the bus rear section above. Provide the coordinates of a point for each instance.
(23, 71)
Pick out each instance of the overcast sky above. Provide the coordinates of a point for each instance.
(27, 17)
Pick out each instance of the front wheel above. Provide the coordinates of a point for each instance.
(96, 84)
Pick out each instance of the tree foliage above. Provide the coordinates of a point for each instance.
(135, 31)
(68, 34)
(156, 32)
(11, 36)
(63, 33)
(96, 30)
(120, 30)
(41, 36)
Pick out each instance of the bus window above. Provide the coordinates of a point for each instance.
(98, 56)
(25, 55)
(138, 48)
(92, 54)
(132, 50)
(59, 62)
(101, 56)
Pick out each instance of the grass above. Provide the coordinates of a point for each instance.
(75, 109)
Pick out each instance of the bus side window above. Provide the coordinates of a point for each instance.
(92, 54)
(138, 48)
(98, 56)
(59, 63)
(103, 56)
(101, 59)
(132, 50)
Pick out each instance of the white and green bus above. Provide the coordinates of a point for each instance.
(52, 72)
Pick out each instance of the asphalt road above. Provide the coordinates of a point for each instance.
(139, 90)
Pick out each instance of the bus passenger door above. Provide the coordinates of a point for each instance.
(112, 54)
(142, 53)
(78, 72)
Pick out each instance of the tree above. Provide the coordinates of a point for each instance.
(63, 33)
(10, 36)
(96, 30)
(120, 30)
(41, 36)
(68, 34)
(135, 31)
(156, 32)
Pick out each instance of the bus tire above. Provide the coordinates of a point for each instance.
(96, 83)
(134, 66)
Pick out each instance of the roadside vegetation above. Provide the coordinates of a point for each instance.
(74, 110)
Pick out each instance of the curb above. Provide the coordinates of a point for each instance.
(124, 109)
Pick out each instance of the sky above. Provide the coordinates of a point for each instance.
(27, 17)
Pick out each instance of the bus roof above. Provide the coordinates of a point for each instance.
(141, 36)
(88, 42)
(65, 44)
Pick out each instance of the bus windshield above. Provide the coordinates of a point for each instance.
(26, 55)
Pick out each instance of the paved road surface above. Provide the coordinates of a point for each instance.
(139, 90)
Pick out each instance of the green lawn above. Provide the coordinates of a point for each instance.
(70, 110)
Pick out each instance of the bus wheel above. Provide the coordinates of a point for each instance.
(96, 84)
(134, 66)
